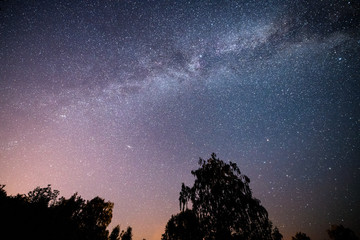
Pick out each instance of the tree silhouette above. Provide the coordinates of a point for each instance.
(276, 235)
(3, 194)
(43, 196)
(95, 217)
(183, 226)
(339, 232)
(223, 204)
(41, 215)
(115, 233)
(127, 235)
(300, 236)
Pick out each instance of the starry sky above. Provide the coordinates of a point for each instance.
(120, 98)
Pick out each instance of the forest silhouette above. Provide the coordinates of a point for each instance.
(222, 208)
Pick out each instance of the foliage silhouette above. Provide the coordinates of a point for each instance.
(300, 236)
(115, 233)
(184, 225)
(44, 197)
(127, 235)
(95, 216)
(339, 232)
(223, 204)
(276, 235)
(42, 215)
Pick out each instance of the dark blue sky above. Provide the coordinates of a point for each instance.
(120, 99)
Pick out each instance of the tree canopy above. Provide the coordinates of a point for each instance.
(42, 215)
(276, 235)
(223, 204)
(184, 225)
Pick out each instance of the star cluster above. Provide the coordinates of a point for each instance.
(120, 98)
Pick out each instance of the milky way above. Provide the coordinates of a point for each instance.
(120, 99)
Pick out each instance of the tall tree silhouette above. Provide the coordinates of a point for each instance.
(127, 235)
(222, 202)
(339, 232)
(115, 233)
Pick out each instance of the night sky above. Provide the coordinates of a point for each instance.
(119, 99)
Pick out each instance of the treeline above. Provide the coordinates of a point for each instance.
(222, 208)
(41, 214)
(336, 232)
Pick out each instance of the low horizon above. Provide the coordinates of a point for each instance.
(113, 224)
